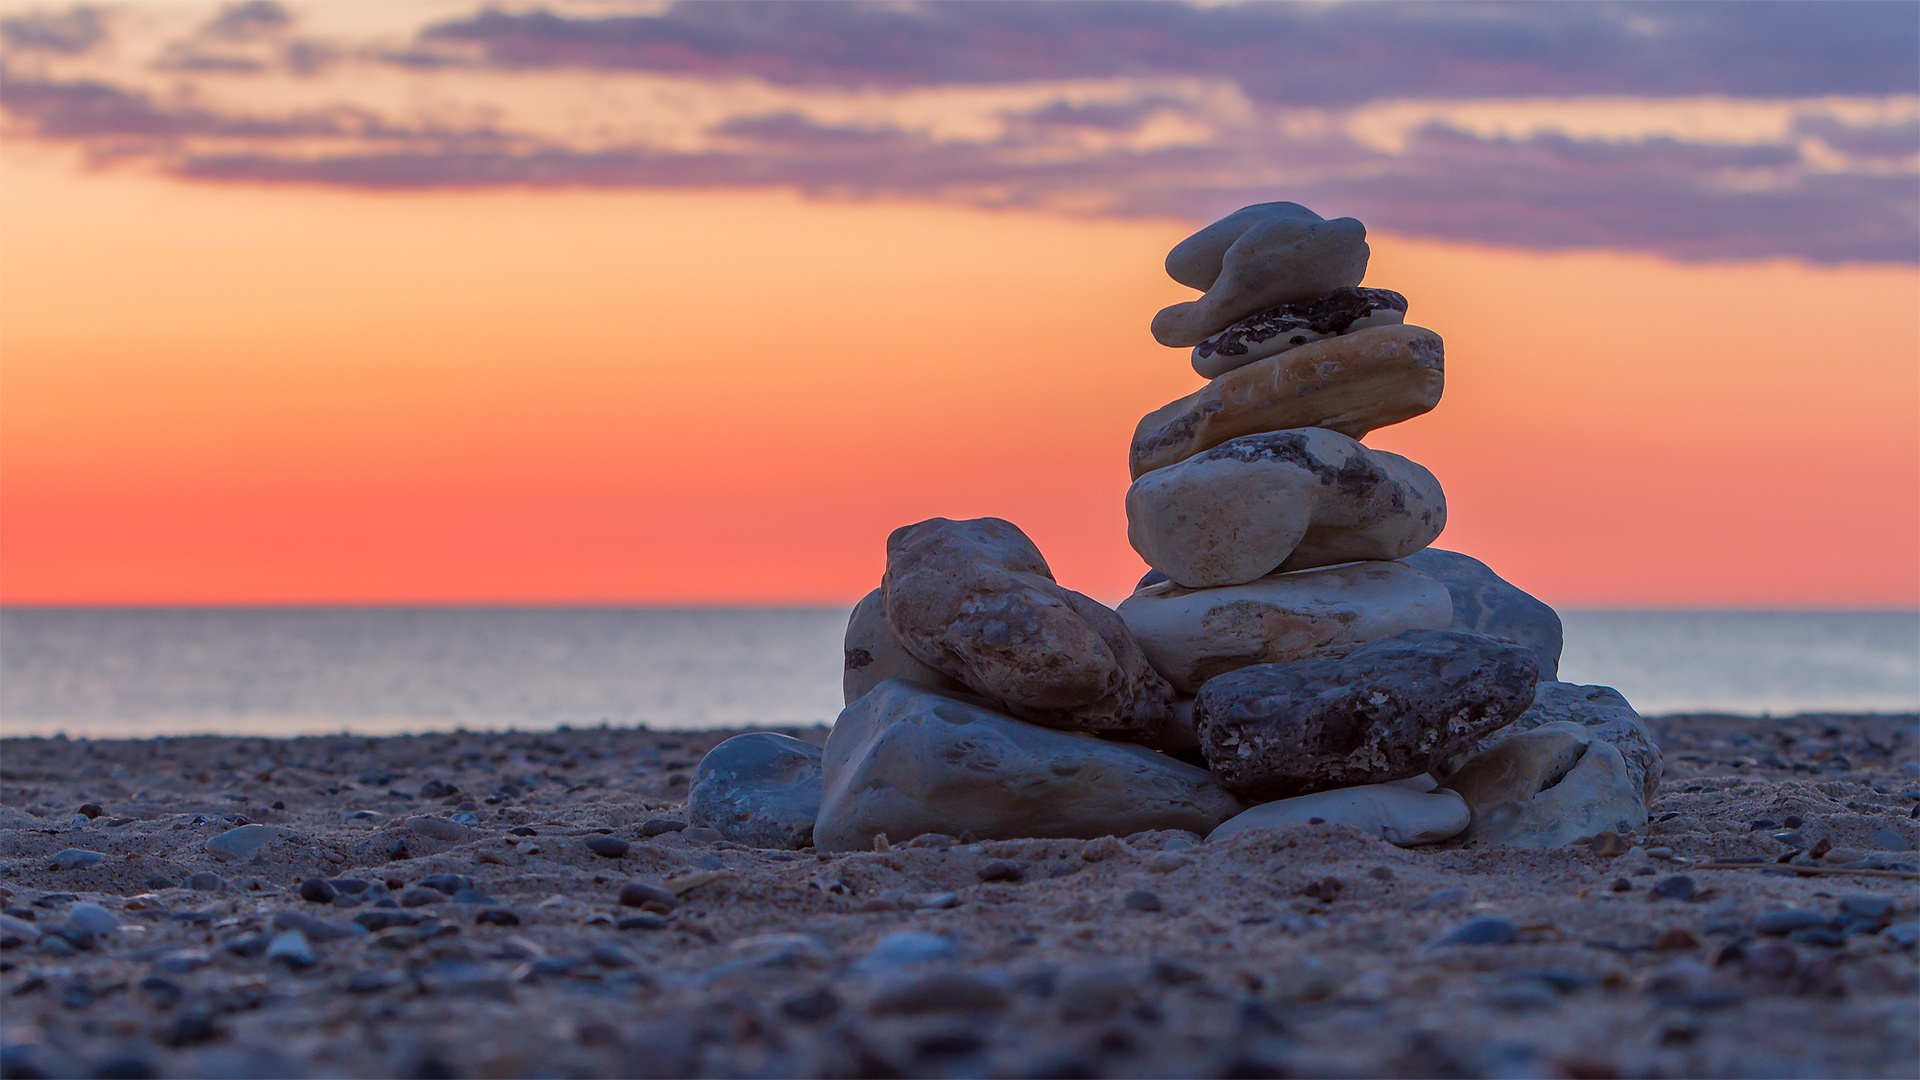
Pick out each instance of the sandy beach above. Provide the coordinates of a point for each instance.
(471, 924)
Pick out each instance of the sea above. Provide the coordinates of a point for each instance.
(147, 672)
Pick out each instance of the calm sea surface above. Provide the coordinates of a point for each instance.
(113, 672)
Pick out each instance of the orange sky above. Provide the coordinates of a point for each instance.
(237, 395)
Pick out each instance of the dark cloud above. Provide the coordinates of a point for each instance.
(1323, 54)
(88, 110)
(67, 33)
(245, 22)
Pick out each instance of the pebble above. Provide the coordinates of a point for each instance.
(646, 920)
(317, 929)
(291, 949)
(1488, 930)
(657, 826)
(645, 894)
(92, 917)
(610, 956)
(317, 891)
(156, 883)
(240, 843)
(246, 945)
(1906, 933)
(15, 932)
(1867, 907)
(702, 835)
(1676, 887)
(1776, 958)
(76, 859)
(446, 883)
(1002, 870)
(377, 921)
(1792, 821)
(1659, 853)
(811, 1006)
(608, 847)
(1819, 935)
(1676, 939)
(1443, 898)
(904, 948)
(421, 897)
(434, 828)
(497, 917)
(940, 991)
(472, 896)
(1607, 845)
(1621, 884)
(1142, 900)
(1889, 840)
(1787, 920)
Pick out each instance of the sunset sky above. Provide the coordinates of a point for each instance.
(597, 303)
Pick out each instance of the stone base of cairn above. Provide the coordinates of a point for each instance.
(1299, 653)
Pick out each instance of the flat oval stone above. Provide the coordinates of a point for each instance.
(874, 654)
(1280, 259)
(1281, 500)
(1352, 384)
(760, 789)
(1192, 635)
(1399, 815)
(1385, 711)
(1196, 262)
(1289, 326)
(241, 842)
(975, 600)
(905, 761)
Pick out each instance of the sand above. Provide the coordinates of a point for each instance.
(1298, 952)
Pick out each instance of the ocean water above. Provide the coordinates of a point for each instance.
(376, 671)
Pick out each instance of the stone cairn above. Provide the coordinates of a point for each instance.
(1298, 653)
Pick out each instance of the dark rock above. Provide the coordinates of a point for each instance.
(1676, 887)
(1484, 603)
(1621, 884)
(398, 851)
(156, 883)
(940, 991)
(497, 917)
(446, 883)
(1819, 935)
(421, 897)
(206, 881)
(760, 789)
(316, 929)
(437, 789)
(351, 886)
(645, 894)
(316, 891)
(376, 921)
(522, 830)
(608, 847)
(1787, 920)
(1482, 931)
(646, 920)
(1867, 907)
(247, 945)
(811, 1006)
(1387, 710)
(660, 825)
(1142, 900)
(472, 896)
(124, 1067)
(76, 859)
(91, 810)
(1002, 870)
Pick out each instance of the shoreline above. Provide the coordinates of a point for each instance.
(1303, 951)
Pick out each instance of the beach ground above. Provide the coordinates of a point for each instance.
(1310, 951)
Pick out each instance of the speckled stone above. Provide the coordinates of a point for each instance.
(975, 600)
(1282, 500)
(1353, 384)
(1387, 710)
(1289, 326)
(760, 789)
(1484, 603)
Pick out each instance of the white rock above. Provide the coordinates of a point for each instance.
(93, 917)
(1396, 813)
(1192, 635)
(874, 654)
(240, 843)
(76, 859)
(1282, 500)
(905, 760)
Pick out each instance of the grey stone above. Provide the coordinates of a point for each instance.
(316, 928)
(1891, 840)
(1596, 795)
(1192, 635)
(905, 760)
(1604, 713)
(1279, 501)
(205, 881)
(974, 599)
(939, 991)
(1388, 710)
(1787, 920)
(291, 949)
(905, 948)
(76, 859)
(1289, 326)
(1197, 261)
(1403, 816)
(241, 843)
(1485, 603)
(759, 789)
(874, 654)
(434, 828)
(1675, 887)
(1490, 930)
(1286, 257)
(92, 918)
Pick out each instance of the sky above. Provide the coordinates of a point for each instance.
(689, 304)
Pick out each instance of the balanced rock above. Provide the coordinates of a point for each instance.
(1604, 713)
(1400, 814)
(1196, 262)
(974, 600)
(1289, 326)
(760, 789)
(1484, 603)
(1385, 711)
(1283, 500)
(1279, 258)
(1193, 635)
(874, 655)
(905, 760)
(1352, 384)
(1548, 787)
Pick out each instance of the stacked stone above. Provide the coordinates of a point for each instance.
(1298, 646)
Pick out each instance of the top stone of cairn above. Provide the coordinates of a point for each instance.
(1255, 258)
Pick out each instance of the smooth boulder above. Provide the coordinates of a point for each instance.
(1289, 326)
(1485, 603)
(1401, 815)
(1596, 795)
(1196, 262)
(1353, 384)
(1385, 711)
(1193, 635)
(1280, 259)
(874, 654)
(1282, 500)
(760, 789)
(1604, 713)
(1500, 780)
(975, 600)
(905, 760)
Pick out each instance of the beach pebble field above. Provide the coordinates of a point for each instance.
(538, 905)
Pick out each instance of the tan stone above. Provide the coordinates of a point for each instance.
(1352, 384)
(1192, 635)
(1281, 500)
(1279, 260)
